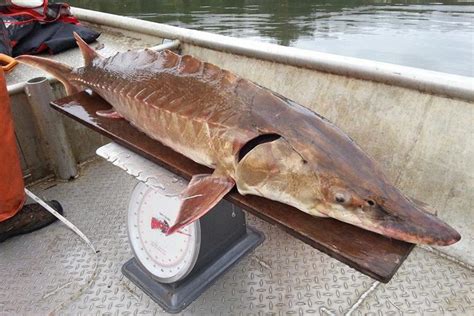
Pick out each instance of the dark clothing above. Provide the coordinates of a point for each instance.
(44, 29)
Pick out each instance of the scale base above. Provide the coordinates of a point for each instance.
(175, 297)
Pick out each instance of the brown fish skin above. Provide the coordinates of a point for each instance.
(220, 120)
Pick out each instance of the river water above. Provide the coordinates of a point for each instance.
(424, 34)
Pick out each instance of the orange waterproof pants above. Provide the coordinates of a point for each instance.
(12, 193)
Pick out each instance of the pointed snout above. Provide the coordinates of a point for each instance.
(414, 225)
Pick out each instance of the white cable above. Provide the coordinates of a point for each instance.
(86, 240)
(362, 298)
(61, 218)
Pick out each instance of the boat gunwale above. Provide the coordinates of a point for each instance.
(445, 84)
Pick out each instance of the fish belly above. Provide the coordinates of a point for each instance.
(189, 137)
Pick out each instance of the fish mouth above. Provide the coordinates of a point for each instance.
(403, 220)
(414, 225)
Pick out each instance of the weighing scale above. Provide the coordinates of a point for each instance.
(174, 270)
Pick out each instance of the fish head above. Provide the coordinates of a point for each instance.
(356, 194)
(378, 206)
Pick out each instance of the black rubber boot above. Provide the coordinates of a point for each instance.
(30, 218)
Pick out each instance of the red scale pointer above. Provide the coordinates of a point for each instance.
(163, 226)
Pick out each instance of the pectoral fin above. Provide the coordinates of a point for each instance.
(109, 114)
(202, 194)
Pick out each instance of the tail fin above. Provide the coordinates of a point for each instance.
(88, 52)
(59, 70)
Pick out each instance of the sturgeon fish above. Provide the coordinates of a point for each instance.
(253, 138)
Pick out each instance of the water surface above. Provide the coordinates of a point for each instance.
(424, 34)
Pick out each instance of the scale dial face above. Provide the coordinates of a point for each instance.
(167, 258)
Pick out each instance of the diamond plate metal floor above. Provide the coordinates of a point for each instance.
(52, 271)
(425, 285)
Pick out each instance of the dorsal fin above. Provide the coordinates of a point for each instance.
(88, 52)
(61, 71)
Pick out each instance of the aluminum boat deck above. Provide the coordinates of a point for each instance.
(52, 270)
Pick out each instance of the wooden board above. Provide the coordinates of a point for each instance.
(370, 253)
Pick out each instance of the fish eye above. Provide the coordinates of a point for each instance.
(340, 198)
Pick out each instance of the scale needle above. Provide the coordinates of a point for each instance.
(163, 226)
(181, 232)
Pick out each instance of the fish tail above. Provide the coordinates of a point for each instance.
(59, 70)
